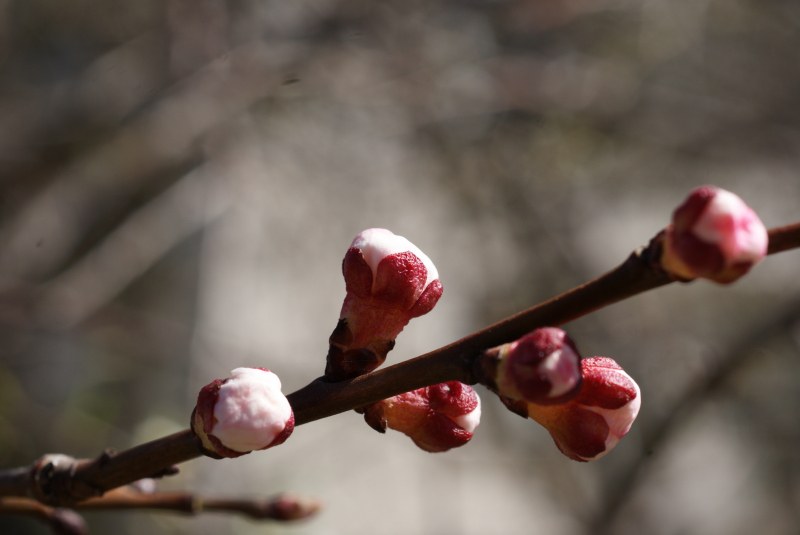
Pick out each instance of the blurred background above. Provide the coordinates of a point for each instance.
(179, 180)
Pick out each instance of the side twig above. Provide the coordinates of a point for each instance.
(61, 521)
(283, 507)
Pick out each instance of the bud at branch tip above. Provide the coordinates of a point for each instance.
(713, 235)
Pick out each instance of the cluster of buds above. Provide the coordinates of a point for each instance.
(587, 405)
(713, 235)
(591, 424)
(437, 418)
(242, 413)
(388, 281)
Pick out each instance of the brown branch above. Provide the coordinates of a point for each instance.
(62, 480)
(283, 507)
(61, 521)
(784, 238)
(71, 482)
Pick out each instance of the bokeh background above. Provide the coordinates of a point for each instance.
(179, 180)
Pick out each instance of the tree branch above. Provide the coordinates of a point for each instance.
(67, 481)
(784, 238)
(283, 507)
(61, 521)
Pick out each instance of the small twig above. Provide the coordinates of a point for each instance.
(284, 507)
(61, 521)
(71, 483)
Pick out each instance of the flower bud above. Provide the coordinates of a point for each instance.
(591, 424)
(65, 521)
(288, 507)
(242, 413)
(713, 235)
(437, 418)
(541, 367)
(388, 282)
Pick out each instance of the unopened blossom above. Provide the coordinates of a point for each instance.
(242, 413)
(437, 418)
(388, 280)
(541, 367)
(713, 235)
(290, 507)
(591, 424)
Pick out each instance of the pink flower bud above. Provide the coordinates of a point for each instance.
(388, 282)
(591, 424)
(242, 413)
(541, 367)
(437, 418)
(65, 521)
(713, 235)
(289, 507)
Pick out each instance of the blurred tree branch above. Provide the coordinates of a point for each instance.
(165, 134)
(656, 439)
(190, 204)
(282, 508)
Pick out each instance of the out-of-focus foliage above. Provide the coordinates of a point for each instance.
(179, 181)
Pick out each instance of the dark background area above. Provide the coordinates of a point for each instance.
(180, 179)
